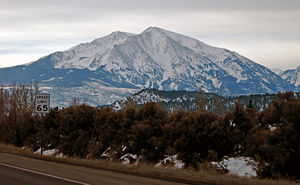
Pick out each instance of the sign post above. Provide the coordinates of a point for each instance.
(42, 103)
(42, 106)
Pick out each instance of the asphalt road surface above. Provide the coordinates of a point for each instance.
(21, 170)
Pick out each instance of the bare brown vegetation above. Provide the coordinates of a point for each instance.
(270, 136)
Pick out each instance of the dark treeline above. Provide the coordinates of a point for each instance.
(271, 136)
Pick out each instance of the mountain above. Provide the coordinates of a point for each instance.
(120, 64)
(293, 77)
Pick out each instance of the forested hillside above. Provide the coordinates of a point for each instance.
(190, 100)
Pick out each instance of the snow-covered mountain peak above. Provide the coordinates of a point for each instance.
(221, 58)
(121, 63)
(155, 58)
(195, 45)
(154, 37)
(159, 56)
(159, 44)
(115, 37)
(151, 29)
(85, 55)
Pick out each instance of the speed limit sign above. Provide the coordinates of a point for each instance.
(42, 103)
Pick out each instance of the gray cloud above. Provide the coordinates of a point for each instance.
(165, 5)
(235, 24)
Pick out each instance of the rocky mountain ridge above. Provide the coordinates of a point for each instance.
(120, 64)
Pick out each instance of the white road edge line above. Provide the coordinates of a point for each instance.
(44, 174)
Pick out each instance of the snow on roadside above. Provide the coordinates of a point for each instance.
(170, 162)
(128, 158)
(53, 152)
(241, 166)
(46, 152)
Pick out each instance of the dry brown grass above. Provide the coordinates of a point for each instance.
(204, 175)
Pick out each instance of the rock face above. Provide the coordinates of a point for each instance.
(120, 64)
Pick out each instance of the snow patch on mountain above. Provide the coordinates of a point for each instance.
(49, 80)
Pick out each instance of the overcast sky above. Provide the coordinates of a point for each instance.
(266, 31)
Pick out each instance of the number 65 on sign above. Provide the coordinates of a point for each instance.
(42, 103)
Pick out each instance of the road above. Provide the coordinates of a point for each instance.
(15, 169)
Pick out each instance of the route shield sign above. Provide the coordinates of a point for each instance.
(42, 103)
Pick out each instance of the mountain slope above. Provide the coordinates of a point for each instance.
(293, 77)
(121, 63)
